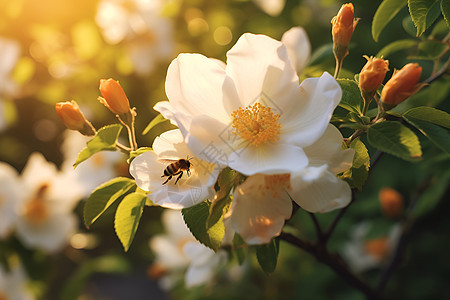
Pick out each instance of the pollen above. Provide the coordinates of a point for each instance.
(36, 211)
(257, 124)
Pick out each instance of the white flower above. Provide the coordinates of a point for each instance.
(138, 24)
(299, 49)
(99, 168)
(262, 203)
(10, 194)
(362, 254)
(271, 7)
(178, 249)
(46, 220)
(9, 54)
(251, 115)
(13, 284)
(148, 171)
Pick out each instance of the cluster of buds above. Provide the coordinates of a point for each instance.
(114, 99)
(344, 24)
(402, 85)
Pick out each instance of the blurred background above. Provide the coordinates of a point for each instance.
(52, 51)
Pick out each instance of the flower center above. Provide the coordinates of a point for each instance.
(36, 211)
(256, 124)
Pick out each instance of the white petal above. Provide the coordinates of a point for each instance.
(261, 71)
(268, 159)
(147, 171)
(168, 252)
(307, 120)
(170, 144)
(316, 189)
(257, 214)
(327, 150)
(298, 47)
(194, 86)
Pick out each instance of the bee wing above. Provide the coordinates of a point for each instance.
(167, 161)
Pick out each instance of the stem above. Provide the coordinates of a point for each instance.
(128, 122)
(123, 148)
(438, 74)
(319, 232)
(333, 261)
(338, 67)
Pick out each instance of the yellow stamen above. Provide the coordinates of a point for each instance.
(256, 124)
(36, 211)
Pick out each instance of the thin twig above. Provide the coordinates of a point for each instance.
(319, 232)
(333, 261)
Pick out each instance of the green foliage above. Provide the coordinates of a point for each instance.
(421, 12)
(239, 248)
(136, 153)
(104, 140)
(396, 139)
(445, 8)
(431, 50)
(356, 176)
(351, 96)
(267, 255)
(429, 121)
(127, 218)
(432, 196)
(111, 264)
(104, 196)
(157, 120)
(387, 10)
(196, 218)
(396, 46)
(222, 200)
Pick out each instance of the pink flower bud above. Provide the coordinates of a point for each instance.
(343, 26)
(372, 74)
(71, 115)
(391, 203)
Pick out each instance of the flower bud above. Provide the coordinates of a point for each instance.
(114, 97)
(343, 26)
(391, 203)
(377, 248)
(71, 115)
(372, 74)
(402, 85)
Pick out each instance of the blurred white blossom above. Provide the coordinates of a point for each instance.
(13, 284)
(46, 219)
(178, 250)
(363, 254)
(140, 27)
(10, 194)
(98, 169)
(271, 7)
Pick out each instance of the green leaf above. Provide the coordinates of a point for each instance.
(396, 46)
(439, 30)
(430, 50)
(425, 120)
(429, 114)
(445, 8)
(222, 200)
(396, 139)
(432, 195)
(420, 14)
(157, 120)
(196, 217)
(136, 153)
(351, 96)
(267, 255)
(104, 196)
(104, 140)
(239, 248)
(356, 176)
(127, 218)
(387, 10)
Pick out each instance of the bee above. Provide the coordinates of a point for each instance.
(176, 168)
